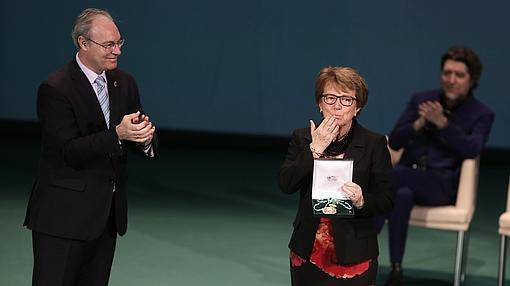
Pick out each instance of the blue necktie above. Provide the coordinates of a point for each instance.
(102, 96)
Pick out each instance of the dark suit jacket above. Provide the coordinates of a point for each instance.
(443, 150)
(81, 160)
(355, 238)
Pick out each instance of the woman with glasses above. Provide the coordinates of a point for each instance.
(336, 250)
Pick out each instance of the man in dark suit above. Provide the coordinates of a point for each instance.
(438, 130)
(90, 114)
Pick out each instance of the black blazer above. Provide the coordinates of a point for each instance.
(81, 160)
(355, 238)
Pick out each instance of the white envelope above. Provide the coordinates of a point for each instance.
(329, 175)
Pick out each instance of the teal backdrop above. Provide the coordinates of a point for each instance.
(248, 67)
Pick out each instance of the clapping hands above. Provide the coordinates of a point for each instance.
(431, 111)
(136, 127)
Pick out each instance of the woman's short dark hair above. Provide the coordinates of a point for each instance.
(345, 78)
(469, 58)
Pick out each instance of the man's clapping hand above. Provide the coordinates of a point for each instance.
(136, 127)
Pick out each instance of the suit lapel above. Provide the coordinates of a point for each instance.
(355, 150)
(113, 93)
(86, 93)
(308, 137)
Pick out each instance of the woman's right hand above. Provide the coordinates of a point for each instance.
(323, 135)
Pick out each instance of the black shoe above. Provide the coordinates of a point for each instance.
(396, 277)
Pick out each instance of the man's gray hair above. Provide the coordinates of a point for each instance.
(83, 23)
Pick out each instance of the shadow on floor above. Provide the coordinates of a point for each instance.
(416, 277)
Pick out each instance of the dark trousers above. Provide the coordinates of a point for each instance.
(67, 262)
(414, 187)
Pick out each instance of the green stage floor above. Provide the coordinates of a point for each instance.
(201, 217)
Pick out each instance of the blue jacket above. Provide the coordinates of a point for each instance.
(444, 149)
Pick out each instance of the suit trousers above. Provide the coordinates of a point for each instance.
(413, 187)
(68, 262)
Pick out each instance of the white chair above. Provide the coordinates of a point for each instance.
(504, 231)
(454, 217)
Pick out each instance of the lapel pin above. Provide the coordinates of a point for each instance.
(115, 84)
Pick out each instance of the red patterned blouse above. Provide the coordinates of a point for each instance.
(324, 256)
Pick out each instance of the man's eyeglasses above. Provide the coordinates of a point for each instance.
(344, 100)
(109, 46)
